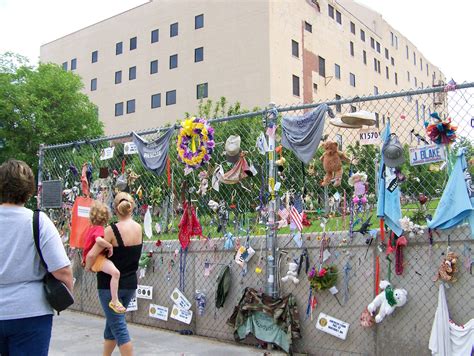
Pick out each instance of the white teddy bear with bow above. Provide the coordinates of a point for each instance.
(387, 300)
(292, 274)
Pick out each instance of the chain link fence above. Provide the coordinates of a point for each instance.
(330, 219)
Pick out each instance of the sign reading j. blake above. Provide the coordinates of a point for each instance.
(426, 154)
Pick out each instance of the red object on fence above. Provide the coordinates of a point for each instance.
(168, 170)
(377, 274)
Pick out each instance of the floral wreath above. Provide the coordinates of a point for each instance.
(195, 142)
(324, 278)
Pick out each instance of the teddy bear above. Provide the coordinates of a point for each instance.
(292, 273)
(447, 268)
(358, 180)
(332, 163)
(387, 300)
(203, 183)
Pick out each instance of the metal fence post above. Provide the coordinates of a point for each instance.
(271, 270)
(40, 175)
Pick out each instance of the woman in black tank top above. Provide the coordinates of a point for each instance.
(125, 257)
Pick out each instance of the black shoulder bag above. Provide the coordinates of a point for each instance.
(57, 294)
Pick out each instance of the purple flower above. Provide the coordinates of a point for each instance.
(207, 157)
(210, 130)
(211, 144)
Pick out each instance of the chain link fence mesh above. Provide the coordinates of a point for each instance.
(406, 331)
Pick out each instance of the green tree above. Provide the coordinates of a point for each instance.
(41, 105)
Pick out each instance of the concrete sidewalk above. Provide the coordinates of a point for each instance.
(81, 334)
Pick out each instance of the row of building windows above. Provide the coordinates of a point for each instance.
(338, 16)
(155, 100)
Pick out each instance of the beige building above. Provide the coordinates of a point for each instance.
(151, 64)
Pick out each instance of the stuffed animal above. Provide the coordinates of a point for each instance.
(387, 300)
(332, 163)
(204, 183)
(448, 268)
(358, 180)
(292, 273)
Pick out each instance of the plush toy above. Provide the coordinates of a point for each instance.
(387, 300)
(204, 183)
(358, 180)
(292, 273)
(332, 163)
(448, 268)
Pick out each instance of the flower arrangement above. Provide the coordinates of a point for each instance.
(441, 131)
(324, 278)
(195, 142)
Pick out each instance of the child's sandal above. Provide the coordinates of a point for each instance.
(117, 307)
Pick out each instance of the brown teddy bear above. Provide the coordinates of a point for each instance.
(332, 163)
(448, 268)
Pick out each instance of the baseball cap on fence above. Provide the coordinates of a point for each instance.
(392, 151)
(338, 122)
(232, 148)
(361, 117)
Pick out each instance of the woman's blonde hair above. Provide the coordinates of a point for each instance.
(124, 204)
(99, 214)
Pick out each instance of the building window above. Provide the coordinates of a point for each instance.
(308, 27)
(171, 97)
(201, 91)
(362, 35)
(118, 77)
(155, 36)
(338, 17)
(133, 43)
(338, 106)
(378, 47)
(377, 120)
(353, 28)
(173, 61)
(408, 75)
(118, 109)
(364, 56)
(132, 73)
(199, 54)
(337, 71)
(295, 49)
(331, 11)
(414, 58)
(296, 85)
(372, 42)
(94, 84)
(353, 108)
(396, 79)
(422, 86)
(416, 83)
(198, 21)
(408, 56)
(378, 64)
(315, 87)
(154, 66)
(322, 66)
(386, 54)
(65, 66)
(118, 48)
(174, 29)
(130, 106)
(95, 56)
(351, 48)
(352, 79)
(376, 90)
(156, 101)
(375, 64)
(387, 74)
(392, 38)
(427, 72)
(392, 60)
(73, 63)
(421, 64)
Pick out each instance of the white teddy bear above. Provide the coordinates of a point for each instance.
(292, 273)
(388, 300)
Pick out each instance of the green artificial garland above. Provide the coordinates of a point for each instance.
(324, 278)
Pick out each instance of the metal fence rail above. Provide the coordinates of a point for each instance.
(251, 210)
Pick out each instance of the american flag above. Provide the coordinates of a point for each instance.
(296, 212)
(283, 213)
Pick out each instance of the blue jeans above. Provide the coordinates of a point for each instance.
(27, 336)
(116, 325)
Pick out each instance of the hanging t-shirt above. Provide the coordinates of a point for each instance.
(153, 154)
(80, 222)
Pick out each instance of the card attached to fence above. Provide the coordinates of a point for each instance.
(158, 312)
(180, 300)
(369, 136)
(129, 148)
(133, 305)
(52, 194)
(144, 292)
(107, 153)
(332, 326)
(183, 315)
(426, 154)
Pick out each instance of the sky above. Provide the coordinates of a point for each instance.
(441, 30)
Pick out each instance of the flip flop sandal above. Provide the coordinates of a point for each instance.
(117, 307)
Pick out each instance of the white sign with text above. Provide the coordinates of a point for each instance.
(133, 305)
(158, 312)
(332, 326)
(369, 136)
(426, 154)
(144, 292)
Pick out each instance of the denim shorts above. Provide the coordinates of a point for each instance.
(116, 325)
(26, 336)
